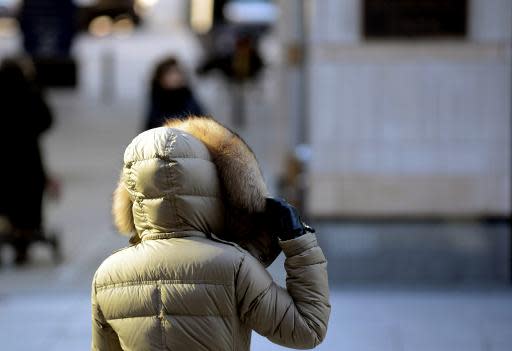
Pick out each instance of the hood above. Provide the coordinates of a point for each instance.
(194, 174)
(168, 184)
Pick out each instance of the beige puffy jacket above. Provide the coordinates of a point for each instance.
(180, 287)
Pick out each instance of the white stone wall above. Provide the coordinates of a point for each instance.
(120, 67)
(410, 128)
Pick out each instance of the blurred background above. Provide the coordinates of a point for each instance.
(387, 122)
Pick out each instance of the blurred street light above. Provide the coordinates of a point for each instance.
(146, 3)
(201, 15)
(123, 25)
(101, 26)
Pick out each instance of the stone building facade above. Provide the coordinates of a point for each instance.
(405, 127)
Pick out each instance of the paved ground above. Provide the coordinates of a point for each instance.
(361, 320)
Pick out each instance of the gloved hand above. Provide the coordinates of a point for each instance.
(284, 219)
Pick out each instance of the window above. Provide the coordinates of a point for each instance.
(414, 18)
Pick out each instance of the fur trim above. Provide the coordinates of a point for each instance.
(242, 184)
(122, 210)
(239, 172)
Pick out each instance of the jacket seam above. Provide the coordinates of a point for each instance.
(95, 304)
(168, 159)
(167, 197)
(215, 238)
(172, 315)
(144, 214)
(299, 248)
(169, 147)
(161, 314)
(199, 195)
(155, 282)
(236, 277)
(235, 302)
(256, 301)
(278, 326)
(165, 236)
(311, 264)
(181, 234)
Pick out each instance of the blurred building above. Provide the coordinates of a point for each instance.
(400, 108)
(408, 105)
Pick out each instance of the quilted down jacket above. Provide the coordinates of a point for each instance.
(180, 286)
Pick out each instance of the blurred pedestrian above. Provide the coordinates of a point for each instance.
(170, 94)
(202, 228)
(48, 27)
(241, 65)
(24, 117)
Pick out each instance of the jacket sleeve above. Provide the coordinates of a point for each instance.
(293, 317)
(104, 338)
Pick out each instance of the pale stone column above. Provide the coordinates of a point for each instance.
(290, 29)
(490, 20)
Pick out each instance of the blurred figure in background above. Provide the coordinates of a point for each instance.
(170, 95)
(48, 27)
(24, 117)
(239, 66)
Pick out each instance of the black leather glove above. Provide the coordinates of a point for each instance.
(284, 219)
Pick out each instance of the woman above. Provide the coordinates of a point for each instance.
(170, 96)
(24, 117)
(192, 197)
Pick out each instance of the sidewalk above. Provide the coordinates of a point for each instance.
(398, 320)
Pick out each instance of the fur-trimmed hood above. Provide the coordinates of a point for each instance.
(232, 192)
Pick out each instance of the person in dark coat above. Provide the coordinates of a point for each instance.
(243, 63)
(48, 27)
(24, 117)
(170, 95)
